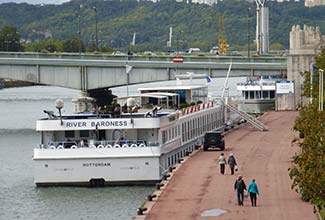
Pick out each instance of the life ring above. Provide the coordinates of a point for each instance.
(73, 147)
(117, 145)
(52, 147)
(100, 146)
(92, 146)
(125, 145)
(108, 146)
(60, 147)
(134, 145)
(142, 145)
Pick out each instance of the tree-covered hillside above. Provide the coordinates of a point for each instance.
(194, 25)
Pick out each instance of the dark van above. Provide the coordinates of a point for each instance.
(214, 140)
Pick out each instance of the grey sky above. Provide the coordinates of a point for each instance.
(36, 1)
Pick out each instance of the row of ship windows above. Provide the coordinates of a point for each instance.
(193, 128)
(266, 94)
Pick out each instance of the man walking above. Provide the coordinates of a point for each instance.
(253, 192)
(222, 163)
(240, 186)
(232, 163)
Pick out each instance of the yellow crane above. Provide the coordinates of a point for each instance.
(222, 40)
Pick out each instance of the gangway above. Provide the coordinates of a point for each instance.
(250, 119)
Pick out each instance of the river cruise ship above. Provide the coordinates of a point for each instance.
(135, 143)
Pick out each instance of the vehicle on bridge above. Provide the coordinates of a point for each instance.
(136, 142)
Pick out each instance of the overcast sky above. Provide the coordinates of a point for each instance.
(36, 1)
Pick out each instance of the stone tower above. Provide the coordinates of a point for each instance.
(304, 45)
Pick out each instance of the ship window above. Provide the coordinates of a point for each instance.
(188, 130)
(183, 136)
(84, 133)
(246, 94)
(164, 136)
(251, 94)
(272, 94)
(265, 95)
(258, 94)
(69, 134)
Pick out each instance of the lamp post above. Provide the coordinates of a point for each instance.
(321, 90)
(248, 32)
(79, 28)
(59, 104)
(96, 34)
(79, 34)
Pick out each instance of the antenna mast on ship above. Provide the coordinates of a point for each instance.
(169, 42)
(225, 89)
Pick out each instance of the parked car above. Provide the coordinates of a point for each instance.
(214, 140)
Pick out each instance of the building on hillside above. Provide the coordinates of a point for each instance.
(313, 3)
(207, 2)
(304, 45)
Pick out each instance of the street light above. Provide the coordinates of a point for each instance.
(59, 104)
(321, 90)
(79, 28)
(96, 34)
(248, 30)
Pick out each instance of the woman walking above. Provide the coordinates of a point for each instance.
(253, 192)
(222, 163)
(232, 163)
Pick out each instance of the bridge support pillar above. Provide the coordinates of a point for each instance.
(83, 75)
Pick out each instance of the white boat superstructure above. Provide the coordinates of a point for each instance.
(128, 144)
(256, 96)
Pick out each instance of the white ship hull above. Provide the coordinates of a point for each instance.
(256, 106)
(84, 165)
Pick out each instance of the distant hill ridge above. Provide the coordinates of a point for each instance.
(194, 25)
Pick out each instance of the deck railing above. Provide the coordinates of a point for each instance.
(98, 144)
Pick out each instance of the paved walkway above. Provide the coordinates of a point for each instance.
(266, 156)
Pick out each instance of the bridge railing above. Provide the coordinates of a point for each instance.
(187, 58)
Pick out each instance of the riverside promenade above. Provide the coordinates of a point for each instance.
(197, 190)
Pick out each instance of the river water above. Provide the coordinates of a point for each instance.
(20, 199)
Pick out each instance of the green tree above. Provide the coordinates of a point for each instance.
(308, 173)
(73, 45)
(47, 46)
(10, 39)
(277, 46)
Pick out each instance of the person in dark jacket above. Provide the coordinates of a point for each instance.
(240, 186)
(232, 163)
(253, 192)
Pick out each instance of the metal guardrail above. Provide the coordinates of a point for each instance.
(250, 119)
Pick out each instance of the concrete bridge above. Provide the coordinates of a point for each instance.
(92, 72)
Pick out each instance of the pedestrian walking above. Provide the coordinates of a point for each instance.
(222, 163)
(253, 192)
(240, 186)
(232, 163)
